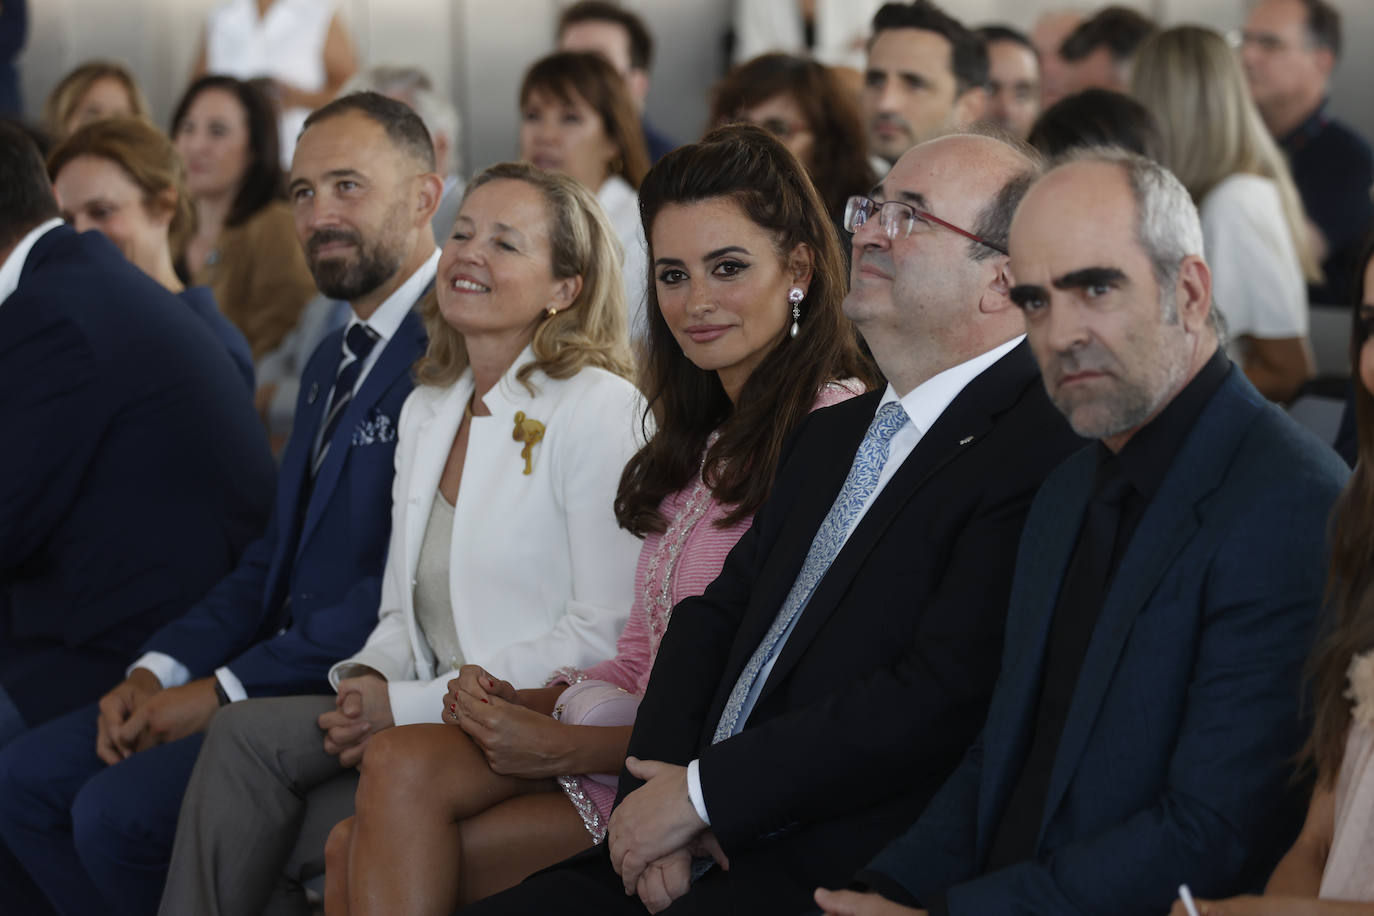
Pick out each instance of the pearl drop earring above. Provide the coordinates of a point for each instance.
(795, 296)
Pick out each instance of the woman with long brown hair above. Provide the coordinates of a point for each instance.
(745, 337)
(244, 245)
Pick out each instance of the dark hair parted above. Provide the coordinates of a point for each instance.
(1096, 117)
(1349, 627)
(1323, 25)
(262, 179)
(402, 125)
(999, 32)
(591, 78)
(1121, 29)
(752, 168)
(968, 57)
(641, 42)
(839, 165)
(26, 197)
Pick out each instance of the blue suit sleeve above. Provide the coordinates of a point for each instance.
(229, 619)
(298, 659)
(1220, 805)
(943, 841)
(52, 410)
(14, 28)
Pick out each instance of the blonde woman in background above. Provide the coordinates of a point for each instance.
(1253, 225)
(96, 89)
(505, 551)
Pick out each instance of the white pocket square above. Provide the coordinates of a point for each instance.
(376, 429)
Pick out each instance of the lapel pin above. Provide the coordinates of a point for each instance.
(314, 393)
(529, 431)
(966, 440)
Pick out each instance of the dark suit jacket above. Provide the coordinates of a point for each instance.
(134, 470)
(885, 678)
(1176, 755)
(324, 555)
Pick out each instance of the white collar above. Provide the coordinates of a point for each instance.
(389, 315)
(924, 403)
(615, 191)
(14, 264)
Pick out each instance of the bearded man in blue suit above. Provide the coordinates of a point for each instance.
(89, 803)
(1168, 587)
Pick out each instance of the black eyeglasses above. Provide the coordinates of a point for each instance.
(897, 219)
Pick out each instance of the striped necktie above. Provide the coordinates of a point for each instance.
(830, 537)
(358, 343)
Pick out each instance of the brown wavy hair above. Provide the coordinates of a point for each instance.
(62, 101)
(591, 78)
(1350, 577)
(839, 164)
(751, 167)
(589, 332)
(147, 156)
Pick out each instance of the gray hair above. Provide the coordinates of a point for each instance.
(414, 87)
(1167, 226)
(993, 221)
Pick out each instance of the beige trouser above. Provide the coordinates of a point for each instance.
(261, 801)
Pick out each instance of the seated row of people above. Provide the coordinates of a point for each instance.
(900, 499)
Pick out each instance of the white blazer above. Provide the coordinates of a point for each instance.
(540, 574)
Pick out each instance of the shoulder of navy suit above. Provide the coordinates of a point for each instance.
(1242, 440)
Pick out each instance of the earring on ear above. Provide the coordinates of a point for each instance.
(550, 312)
(795, 295)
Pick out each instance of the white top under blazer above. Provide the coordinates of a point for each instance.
(540, 574)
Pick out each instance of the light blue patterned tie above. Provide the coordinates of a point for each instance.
(858, 486)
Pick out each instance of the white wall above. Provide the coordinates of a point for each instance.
(480, 48)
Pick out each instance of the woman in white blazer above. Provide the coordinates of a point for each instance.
(504, 549)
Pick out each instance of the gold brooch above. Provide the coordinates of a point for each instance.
(528, 431)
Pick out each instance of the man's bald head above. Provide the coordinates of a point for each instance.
(925, 293)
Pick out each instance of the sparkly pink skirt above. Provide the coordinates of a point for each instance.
(593, 802)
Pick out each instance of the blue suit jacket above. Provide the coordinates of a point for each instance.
(1176, 755)
(306, 594)
(134, 471)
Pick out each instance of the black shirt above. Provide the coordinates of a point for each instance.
(1135, 474)
(1333, 168)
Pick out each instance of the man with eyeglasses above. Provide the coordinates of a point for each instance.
(832, 676)
(1168, 586)
(1289, 49)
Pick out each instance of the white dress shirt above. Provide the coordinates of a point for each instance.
(384, 322)
(14, 263)
(923, 405)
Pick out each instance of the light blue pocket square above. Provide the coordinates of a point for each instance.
(376, 429)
